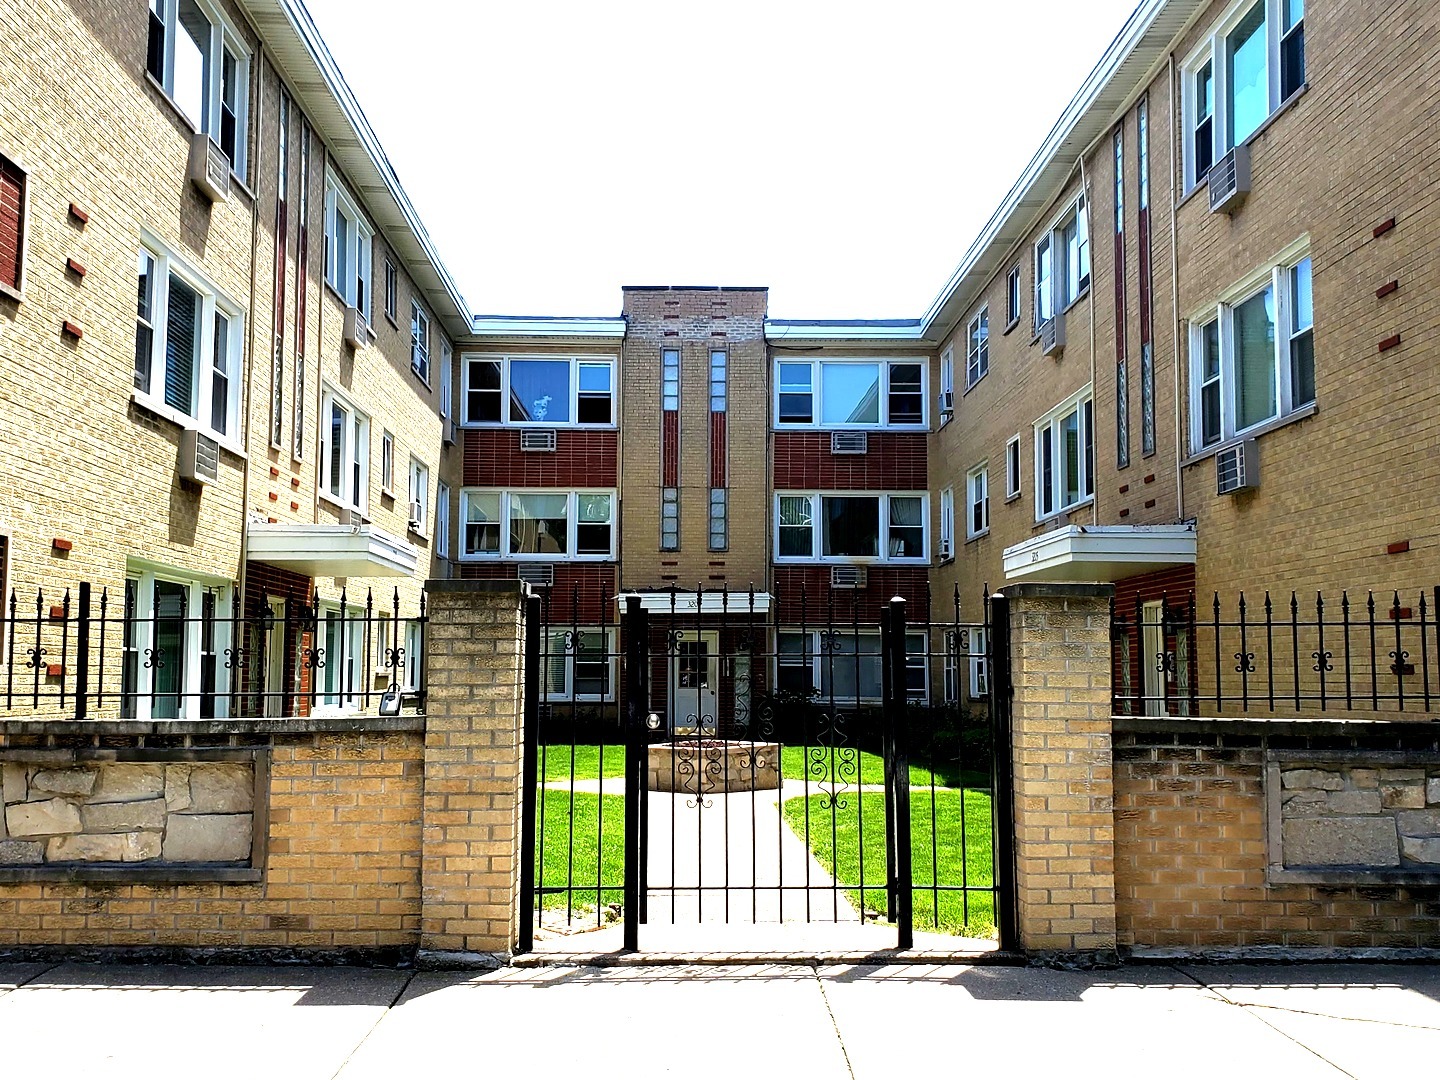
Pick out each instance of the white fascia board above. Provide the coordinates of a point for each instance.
(711, 603)
(782, 333)
(1100, 552)
(505, 327)
(331, 550)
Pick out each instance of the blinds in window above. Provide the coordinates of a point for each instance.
(182, 344)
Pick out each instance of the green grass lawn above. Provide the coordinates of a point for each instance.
(958, 863)
(821, 764)
(597, 856)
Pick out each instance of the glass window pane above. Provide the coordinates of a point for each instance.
(796, 527)
(851, 525)
(850, 393)
(482, 524)
(539, 524)
(192, 65)
(168, 660)
(907, 527)
(1070, 448)
(540, 391)
(1302, 314)
(1246, 61)
(1255, 360)
(182, 346)
(907, 403)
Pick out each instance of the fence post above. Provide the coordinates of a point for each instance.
(887, 749)
(530, 775)
(1002, 771)
(899, 735)
(1063, 767)
(470, 872)
(636, 657)
(82, 655)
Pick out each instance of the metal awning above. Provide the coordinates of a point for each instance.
(684, 602)
(331, 550)
(1100, 552)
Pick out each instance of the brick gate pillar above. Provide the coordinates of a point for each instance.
(469, 864)
(1063, 768)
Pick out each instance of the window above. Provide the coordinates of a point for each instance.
(719, 517)
(348, 241)
(387, 464)
(414, 654)
(1065, 457)
(670, 519)
(548, 525)
(947, 523)
(174, 639)
(977, 488)
(188, 344)
(341, 680)
(1062, 263)
(419, 496)
(392, 290)
(1012, 468)
(12, 227)
(446, 377)
(442, 521)
(670, 379)
(947, 385)
(977, 349)
(344, 453)
(1118, 141)
(1252, 63)
(554, 391)
(719, 389)
(1012, 297)
(979, 663)
(204, 67)
(1253, 358)
(840, 666)
(419, 341)
(858, 526)
(850, 393)
(580, 664)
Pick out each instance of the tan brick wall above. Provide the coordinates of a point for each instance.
(342, 869)
(471, 876)
(1060, 753)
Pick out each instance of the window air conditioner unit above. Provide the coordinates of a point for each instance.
(1052, 335)
(357, 330)
(447, 429)
(1229, 181)
(540, 575)
(947, 402)
(353, 518)
(1237, 468)
(417, 515)
(538, 441)
(849, 442)
(199, 458)
(847, 577)
(209, 168)
(946, 547)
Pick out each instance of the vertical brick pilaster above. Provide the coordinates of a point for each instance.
(469, 852)
(1063, 766)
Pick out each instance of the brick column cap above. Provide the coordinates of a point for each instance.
(504, 587)
(1035, 590)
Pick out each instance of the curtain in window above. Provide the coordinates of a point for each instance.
(1255, 360)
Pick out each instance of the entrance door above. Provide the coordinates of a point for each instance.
(1152, 656)
(275, 659)
(695, 682)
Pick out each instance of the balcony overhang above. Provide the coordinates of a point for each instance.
(1100, 552)
(331, 550)
(687, 602)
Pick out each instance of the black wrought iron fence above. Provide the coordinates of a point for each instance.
(159, 650)
(1368, 654)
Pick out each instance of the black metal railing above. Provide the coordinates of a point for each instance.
(1279, 655)
(157, 650)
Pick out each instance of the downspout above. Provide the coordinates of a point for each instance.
(1175, 298)
(319, 389)
(256, 172)
(1090, 239)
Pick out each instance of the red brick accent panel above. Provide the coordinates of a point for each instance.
(670, 448)
(261, 581)
(1175, 586)
(896, 462)
(581, 459)
(12, 186)
(805, 591)
(583, 593)
(719, 456)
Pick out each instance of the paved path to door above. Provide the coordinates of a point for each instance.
(825, 1023)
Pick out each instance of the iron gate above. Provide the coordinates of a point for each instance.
(735, 758)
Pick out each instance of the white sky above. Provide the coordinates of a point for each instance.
(843, 154)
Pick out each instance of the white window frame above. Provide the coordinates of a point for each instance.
(818, 659)
(1064, 293)
(223, 39)
(447, 379)
(1013, 480)
(419, 492)
(1275, 274)
(977, 347)
(392, 289)
(977, 493)
(335, 695)
(442, 520)
(566, 655)
(1051, 422)
(947, 385)
(420, 341)
(345, 497)
(200, 416)
(947, 523)
(359, 243)
(1212, 50)
(979, 662)
(817, 393)
(17, 291)
(572, 522)
(576, 361)
(817, 529)
(1012, 296)
(145, 576)
(387, 464)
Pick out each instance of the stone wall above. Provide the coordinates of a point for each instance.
(127, 812)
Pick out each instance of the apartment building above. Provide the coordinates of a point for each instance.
(225, 340)
(1186, 353)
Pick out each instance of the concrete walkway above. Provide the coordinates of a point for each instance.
(827, 1023)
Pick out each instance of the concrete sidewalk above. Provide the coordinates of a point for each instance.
(701, 1022)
